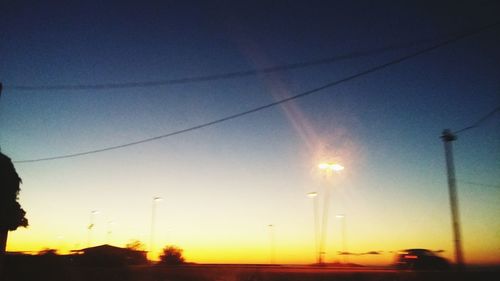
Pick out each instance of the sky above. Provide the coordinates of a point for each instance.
(223, 185)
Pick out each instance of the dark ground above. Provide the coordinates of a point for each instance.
(55, 271)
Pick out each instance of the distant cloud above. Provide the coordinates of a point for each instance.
(360, 254)
(372, 253)
(346, 253)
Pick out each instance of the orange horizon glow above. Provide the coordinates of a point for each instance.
(251, 253)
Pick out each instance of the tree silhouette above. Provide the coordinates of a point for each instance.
(135, 245)
(11, 213)
(48, 252)
(171, 255)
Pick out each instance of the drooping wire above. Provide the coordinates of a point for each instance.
(220, 76)
(481, 120)
(272, 104)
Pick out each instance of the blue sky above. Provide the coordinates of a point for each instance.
(248, 172)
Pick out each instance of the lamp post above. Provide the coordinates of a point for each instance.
(272, 242)
(91, 226)
(109, 231)
(314, 197)
(328, 168)
(344, 236)
(153, 221)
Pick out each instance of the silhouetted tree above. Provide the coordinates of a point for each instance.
(11, 213)
(171, 255)
(135, 245)
(48, 252)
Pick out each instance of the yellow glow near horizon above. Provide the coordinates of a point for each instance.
(287, 251)
(221, 217)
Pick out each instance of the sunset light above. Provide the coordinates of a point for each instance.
(249, 140)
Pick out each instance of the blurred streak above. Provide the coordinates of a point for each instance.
(314, 197)
(152, 254)
(343, 217)
(91, 226)
(272, 257)
(279, 91)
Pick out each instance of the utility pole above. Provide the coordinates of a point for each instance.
(447, 138)
(1, 87)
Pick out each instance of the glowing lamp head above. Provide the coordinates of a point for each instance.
(331, 166)
(312, 194)
(157, 199)
(323, 166)
(337, 167)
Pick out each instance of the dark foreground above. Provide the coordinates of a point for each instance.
(235, 273)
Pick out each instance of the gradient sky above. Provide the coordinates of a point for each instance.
(223, 185)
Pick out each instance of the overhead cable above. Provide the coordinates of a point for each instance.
(220, 76)
(272, 104)
(481, 120)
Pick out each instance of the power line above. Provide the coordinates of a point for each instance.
(272, 104)
(481, 120)
(220, 76)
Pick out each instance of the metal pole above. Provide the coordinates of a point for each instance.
(343, 217)
(344, 238)
(153, 222)
(1, 87)
(314, 197)
(90, 228)
(324, 225)
(273, 246)
(153, 217)
(316, 228)
(109, 232)
(447, 138)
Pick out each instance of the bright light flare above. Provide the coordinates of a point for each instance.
(323, 166)
(331, 166)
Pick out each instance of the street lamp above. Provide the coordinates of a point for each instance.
(91, 226)
(109, 231)
(153, 219)
(344, 236)
(273, 246)
(328, 168)
(314, 197)
(331, 166)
